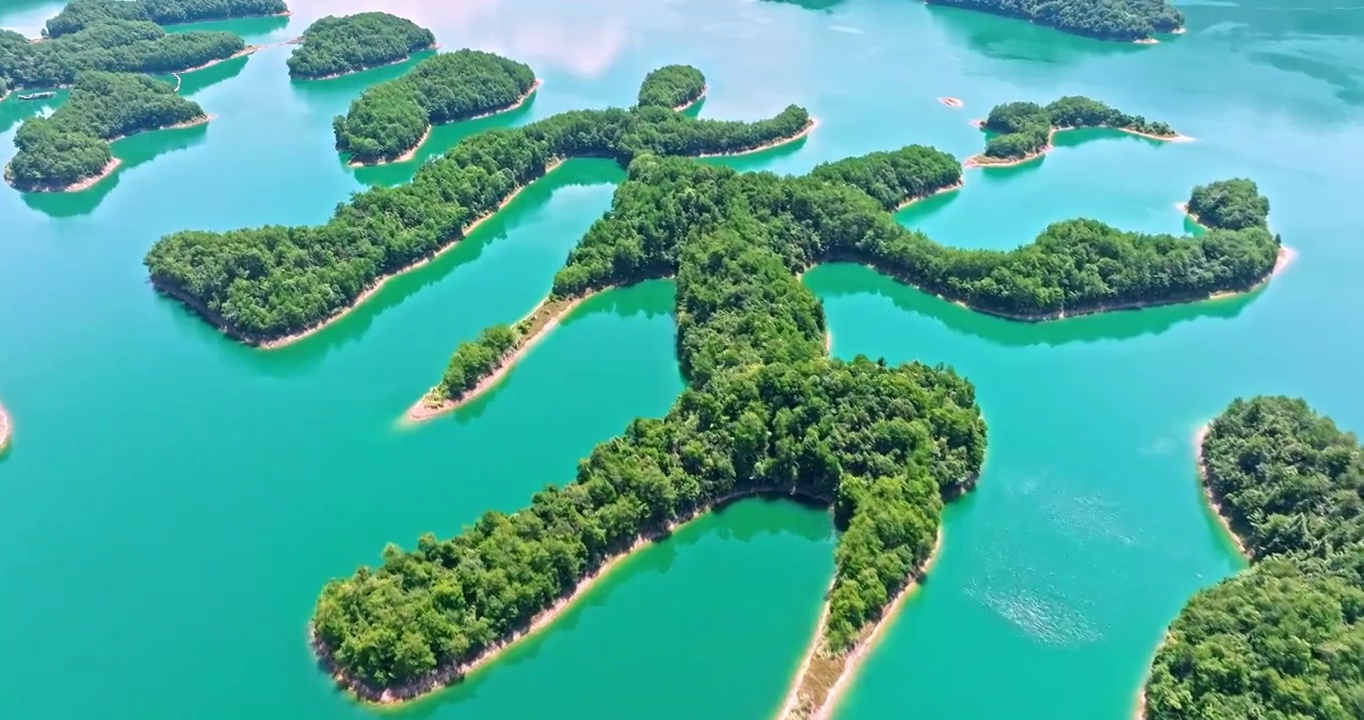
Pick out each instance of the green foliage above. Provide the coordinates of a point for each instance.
(672, 86)
(72, 144)
(338, 45)
(272, 281)
(473, 361)
(892, 178)
(1024, 128)
(1283, 639)
(1109, 20)
(1231, 204)
(80, 14)
(126, 46)
(391, 118)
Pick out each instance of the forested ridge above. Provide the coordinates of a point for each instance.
(1109, 20)
(335, 45)
(80, 14)
(1023, 129)
(1283, 639)
(124, 46)
(72, 145)
(265, 283)
(391, 118)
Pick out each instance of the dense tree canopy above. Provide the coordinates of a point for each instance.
(672, 86)
(338, 45)
(1107, 20)
(391, 118)
(266, 283)
(1234, 204)
(126, 46)
(72, 144)
(80, 14)
(1024, 128)
(1285, 638)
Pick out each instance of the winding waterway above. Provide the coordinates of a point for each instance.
(172, 501)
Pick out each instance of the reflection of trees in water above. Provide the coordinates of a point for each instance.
(810, 4)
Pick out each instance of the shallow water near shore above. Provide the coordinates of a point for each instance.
(172, 501)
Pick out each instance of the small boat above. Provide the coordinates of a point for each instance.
(38, 96)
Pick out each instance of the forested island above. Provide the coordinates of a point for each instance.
(1284, 638)
(70, 149)
(766, 412)
(124, 46)
(1127, 20)
(252, 284)
(391, 120)
(334, 46)
(672, 86)
(1233, 204)
(1022, 131)
(80, 14)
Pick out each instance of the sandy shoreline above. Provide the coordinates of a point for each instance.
(243, 53)
(809, 127)
(6, 430)
(1214, 502)
(412, 151)
(799, 706)
(982, 160)
(444, 677)
(693, 101)
(114, 162)
(947, 189)
(333, 76)
(275, 343)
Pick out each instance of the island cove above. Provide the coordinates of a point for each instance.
(1022, 131)
(336, 46)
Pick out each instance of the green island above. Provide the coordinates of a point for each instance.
(124, 46)
(1284, 638)
(672, 86)
(391, 120)
(80, 14)
(1125, 20)
(1234, 204)
(334, 46)
(1022, 131)
(70, 150)
(272, 285)
(765, 413)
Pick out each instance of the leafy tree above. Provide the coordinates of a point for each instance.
(1233, 204)
(338, 45)
(1024, 128)
(80, 14)
(125, 46)
(672, 86)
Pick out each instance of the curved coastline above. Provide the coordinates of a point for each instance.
(940, 191)
(242, 53)
(699, 97)
(273, 343)
(1211, 496)
(444, 677)
(113, 163)
(982, 160)
(808, 698)
(412, 151)
(809, 128)
(333, 76)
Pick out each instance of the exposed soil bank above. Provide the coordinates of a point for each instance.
(822, 679)
(983, 160)
(693, 101)
(412, 151)
(244, 52)
(911, 200)
(449, 675)
(271, 342)
(809, 127)
(110, 167)
(333, 76)
(1214, 500)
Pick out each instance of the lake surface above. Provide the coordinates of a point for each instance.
(173, 501)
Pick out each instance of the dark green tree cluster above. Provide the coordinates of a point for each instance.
(1284, 639)
(125, 46)
(80, 14)
(477, 359)
(766, 412)
(266, 283)
(1234, 204)
(1109, 20)
(73, 144)
(391, 118)
(672, 86)
(892, 178)
(350, 43)
(1024, 128)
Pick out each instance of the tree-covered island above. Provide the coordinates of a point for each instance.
(334, 46)
(1285, 638)
(70, 149)
(389, 121)
(1125, 20)
(80, 14)
(1022, 131)
(270, 285)
(672, 86)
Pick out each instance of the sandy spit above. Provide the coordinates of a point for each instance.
(809, 128)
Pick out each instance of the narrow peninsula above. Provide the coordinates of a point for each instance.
(336, 46)
(1123, 20)
(70, 150)
(390, 121)
(1282, 638)
(238, 279)
(81, 14)
(1022, 131)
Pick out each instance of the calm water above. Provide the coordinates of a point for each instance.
(173, 501)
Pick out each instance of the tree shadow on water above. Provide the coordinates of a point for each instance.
(197, 80)
(1004, 38)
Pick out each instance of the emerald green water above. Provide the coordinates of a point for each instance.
(173, 501)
